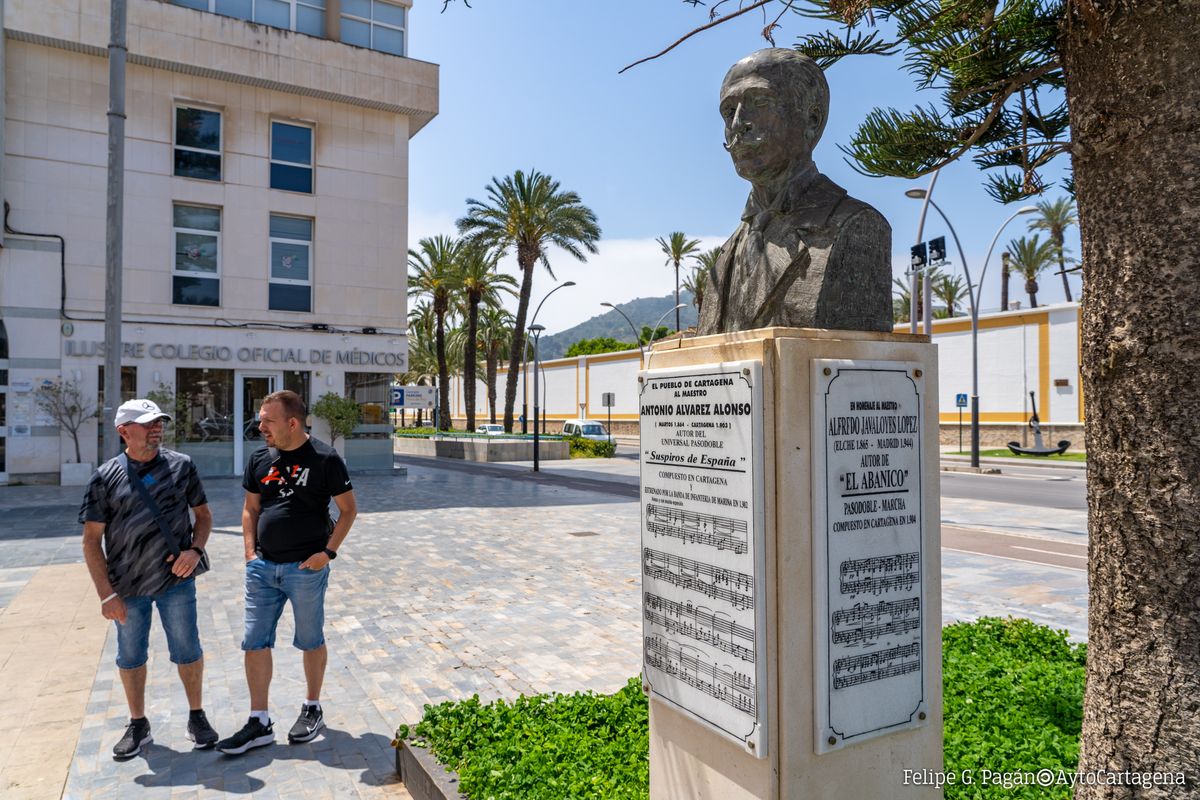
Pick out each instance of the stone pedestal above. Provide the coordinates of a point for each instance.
(690, 760)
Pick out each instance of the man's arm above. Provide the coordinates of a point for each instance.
(347, 511)
(188, 559)
(93, 555)
(250, 512)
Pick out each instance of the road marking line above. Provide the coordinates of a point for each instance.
(1014, 558)
(1051, 552)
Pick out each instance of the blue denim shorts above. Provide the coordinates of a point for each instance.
(268, 586)
(176, 612)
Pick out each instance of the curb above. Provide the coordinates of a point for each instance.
(1013, 462)
(424, 776)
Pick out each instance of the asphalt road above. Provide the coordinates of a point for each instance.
(1029, 486)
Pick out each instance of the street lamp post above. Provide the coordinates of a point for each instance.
(525, 360)
(973, 295)
(536, 330)
(637, 337)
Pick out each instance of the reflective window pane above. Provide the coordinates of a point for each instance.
(359, 8)
(388, 40)
(190, 291)
(291, 228)
(242, 9)
(289, 261)
(285, 297)
(198, 217)
(204, 424)
(199, 128)
(355, 32)
(189, 164)
(291, 179)
(276, 13)
(199, 5)
(310, 21)
(195, 252)
(388, 13)
(291, 143)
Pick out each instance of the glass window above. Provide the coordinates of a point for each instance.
(305, 16)
(291, 157)
(197, 268)
(242, 9)
(290, 273)
(198, 143)
(204, 425)
(276, 13)
(376, 24)
(370, 445)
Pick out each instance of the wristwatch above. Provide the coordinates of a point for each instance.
(198, 550)
(331, 553)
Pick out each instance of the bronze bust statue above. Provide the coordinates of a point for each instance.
(806, 254)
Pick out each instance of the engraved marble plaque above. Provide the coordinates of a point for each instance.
(868, 557)
(703, 613)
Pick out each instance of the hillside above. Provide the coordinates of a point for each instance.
(643, 311)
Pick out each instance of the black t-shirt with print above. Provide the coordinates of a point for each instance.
(294, 523)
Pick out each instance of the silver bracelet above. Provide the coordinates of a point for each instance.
(110, 597)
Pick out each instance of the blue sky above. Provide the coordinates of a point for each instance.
(534, 84)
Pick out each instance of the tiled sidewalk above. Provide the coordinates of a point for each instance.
(450, 584)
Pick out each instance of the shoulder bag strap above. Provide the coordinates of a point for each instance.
(148, 499)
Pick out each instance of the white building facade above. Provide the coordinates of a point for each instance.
(265, 225)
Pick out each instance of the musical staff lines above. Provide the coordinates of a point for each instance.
(686, 664)
(902, 617)
(693, 527)
(871, 667)
(879, 574)
(700, 624)
(686, 573)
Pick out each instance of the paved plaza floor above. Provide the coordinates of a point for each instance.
(454, 581)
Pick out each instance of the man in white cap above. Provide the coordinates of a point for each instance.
(143, 550)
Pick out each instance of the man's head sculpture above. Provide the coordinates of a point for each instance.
(774, 103)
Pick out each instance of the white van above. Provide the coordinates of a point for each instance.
(588, 429)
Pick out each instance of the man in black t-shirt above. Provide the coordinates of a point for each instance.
(290, 540)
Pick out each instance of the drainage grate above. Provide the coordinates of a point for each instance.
(582, 533)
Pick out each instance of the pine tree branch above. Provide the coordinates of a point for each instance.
(701, 29)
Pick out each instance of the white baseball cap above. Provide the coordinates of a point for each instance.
(141, 411)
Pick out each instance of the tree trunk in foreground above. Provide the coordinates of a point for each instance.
(1134, 94)
(526, 260)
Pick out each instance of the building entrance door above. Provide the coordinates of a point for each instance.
(251, 388)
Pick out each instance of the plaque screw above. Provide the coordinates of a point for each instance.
(828, 371)
(747, 372)
(750, 744)
(641, 379)
(921, 715)
(646, 688)
(833, 740)
(916, 373)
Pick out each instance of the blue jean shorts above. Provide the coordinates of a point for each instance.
(176, 612)
(268, 586)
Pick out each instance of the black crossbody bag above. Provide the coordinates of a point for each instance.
(285, 476)
(136, 482)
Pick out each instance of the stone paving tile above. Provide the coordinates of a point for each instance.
(450, 584)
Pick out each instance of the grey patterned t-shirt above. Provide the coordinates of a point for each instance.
(133, 547)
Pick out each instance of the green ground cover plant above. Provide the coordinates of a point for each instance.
(591, 448)
(1013, 701)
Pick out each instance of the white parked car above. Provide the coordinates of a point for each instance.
(491, 429)
(588, 429)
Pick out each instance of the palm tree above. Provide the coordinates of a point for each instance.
(1005, 271)
(478, 282)
(1031, 257)
(1054, 218)
(528, 213)
(705, 263)
(901, 301)
(434, 266)
(950, 290)
(422, 355)
(677, 247)
(495, 335)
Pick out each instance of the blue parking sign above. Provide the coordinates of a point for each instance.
(960, 400)
(397, 396)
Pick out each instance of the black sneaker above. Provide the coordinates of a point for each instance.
(308, 725)
(200, 732)
(137, 735)
(252, 734)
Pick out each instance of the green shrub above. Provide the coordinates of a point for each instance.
(342, 414)
(590, 448)
(546, 746)
(1013, 701)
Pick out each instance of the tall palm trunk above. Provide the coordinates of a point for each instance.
(677, 296)
(526, 260)
(469, 358)
(1062, 266)
(443, 372)
(493, 365)
(1005, 272)
(1031, 287)
(1135, 107)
